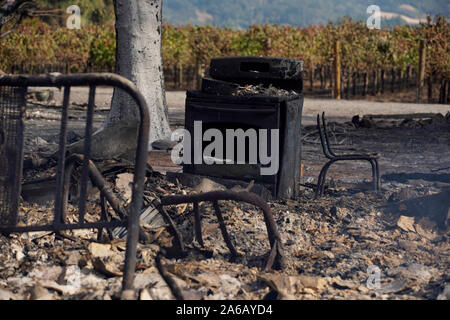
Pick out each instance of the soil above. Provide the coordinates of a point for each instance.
(336, 110)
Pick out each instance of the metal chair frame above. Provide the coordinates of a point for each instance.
(328, 152)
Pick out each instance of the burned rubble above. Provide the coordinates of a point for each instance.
(351, 243)
(329, 243)
(260, 89)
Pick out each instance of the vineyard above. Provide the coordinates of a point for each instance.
(370, 61)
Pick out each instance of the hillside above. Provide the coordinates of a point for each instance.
(241, 14)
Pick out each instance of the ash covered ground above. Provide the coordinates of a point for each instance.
(350, 244)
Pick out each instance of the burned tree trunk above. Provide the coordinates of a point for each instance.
(138, 58)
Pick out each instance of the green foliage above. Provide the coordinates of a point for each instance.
(97, 12)
(35, 43)
(102, 52)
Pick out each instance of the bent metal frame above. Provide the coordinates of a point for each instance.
(13, 90)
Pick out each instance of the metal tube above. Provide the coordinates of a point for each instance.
(59, 206)
(198, 224)
(224, 231)
(273, 234)
(87, 154)
(103, 186)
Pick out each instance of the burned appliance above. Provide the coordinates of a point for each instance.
(256, 104)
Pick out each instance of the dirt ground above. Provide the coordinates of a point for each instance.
(336, 110)
(352, 243)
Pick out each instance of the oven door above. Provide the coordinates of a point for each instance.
(222, 116)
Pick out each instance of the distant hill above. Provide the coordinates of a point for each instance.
(243, 13)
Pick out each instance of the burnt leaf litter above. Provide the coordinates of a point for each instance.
(351, 243)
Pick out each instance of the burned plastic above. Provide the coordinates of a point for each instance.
(217, 107)
(279, 72)
(218, 87)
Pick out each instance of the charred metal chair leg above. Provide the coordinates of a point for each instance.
(374, 175)
(319, 182)
(322, 178)
(173, 229)
(326, 168)
(276, 256)
(198, 224)
(378, 175)
(223, 229)
(328, 152)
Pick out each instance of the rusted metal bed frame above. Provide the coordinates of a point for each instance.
(328, 152)
(89, 170)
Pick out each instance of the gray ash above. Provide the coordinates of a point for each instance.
(250, 90)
